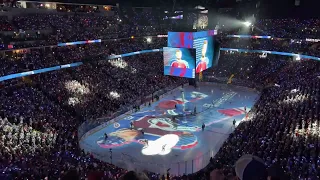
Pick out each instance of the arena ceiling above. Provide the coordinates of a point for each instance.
(266, 8)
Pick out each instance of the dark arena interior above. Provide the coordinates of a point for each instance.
(160, 90)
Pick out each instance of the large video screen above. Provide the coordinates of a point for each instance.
(204, 53)
(180, 39)
(179, 62)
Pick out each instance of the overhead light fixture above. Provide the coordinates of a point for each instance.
(247, 23)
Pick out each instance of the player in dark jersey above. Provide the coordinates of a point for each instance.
(105, 136)
(131, 125)
(164, 147)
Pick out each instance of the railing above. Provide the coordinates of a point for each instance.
(177, 167)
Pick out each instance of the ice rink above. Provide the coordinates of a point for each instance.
(179, 143)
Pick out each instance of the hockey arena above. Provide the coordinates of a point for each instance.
(180, 131)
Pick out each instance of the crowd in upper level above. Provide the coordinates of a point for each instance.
(287, 35)
(302, 47)
(288, 28)
(52, 28)
(37, 58)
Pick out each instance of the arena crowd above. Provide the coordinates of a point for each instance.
(40, 114)
(287, 35)
(33, 30)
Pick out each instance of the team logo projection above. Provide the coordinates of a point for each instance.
(159, 122)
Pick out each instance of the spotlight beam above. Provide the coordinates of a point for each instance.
(247, 23)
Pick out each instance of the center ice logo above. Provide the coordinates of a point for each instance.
(156, 123)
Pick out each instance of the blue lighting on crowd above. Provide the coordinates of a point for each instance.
(79, 42)
(249, 36)
(54, 68)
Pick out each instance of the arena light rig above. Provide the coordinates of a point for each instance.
(247, 23)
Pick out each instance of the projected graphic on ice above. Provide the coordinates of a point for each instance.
(172, 116)
(161, 146)
(168, 134)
